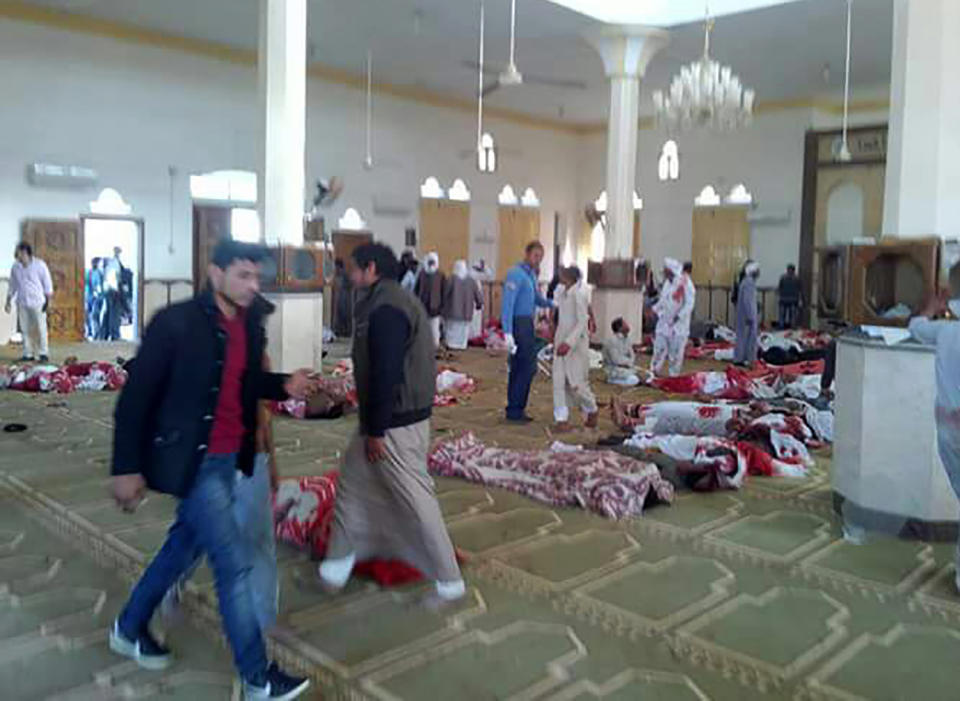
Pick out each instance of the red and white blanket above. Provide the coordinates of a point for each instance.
(303, 514)
(766, 382)
(718, 463)
(604, 482)
(72, 377)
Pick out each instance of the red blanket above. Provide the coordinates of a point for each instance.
(303, 513)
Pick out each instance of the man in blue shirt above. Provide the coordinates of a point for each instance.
(521, 297)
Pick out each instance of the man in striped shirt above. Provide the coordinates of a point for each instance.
(32, 289)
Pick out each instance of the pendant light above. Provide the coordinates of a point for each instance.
(368, 159)
(844, 154)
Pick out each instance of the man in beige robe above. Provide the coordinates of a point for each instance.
(571, 352)
(386, 504)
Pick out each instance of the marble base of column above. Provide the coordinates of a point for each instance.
(295, 331)
(616, 294)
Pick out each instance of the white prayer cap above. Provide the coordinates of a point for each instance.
(752, 267)
(432, 262)
(460, 269)
(673, 265)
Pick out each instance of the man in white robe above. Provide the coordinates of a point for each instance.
(674, 309)
(945, 335)
(571, 352)
(619, 359)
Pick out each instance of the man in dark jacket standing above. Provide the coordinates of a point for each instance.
(185, 424)
(386, 504)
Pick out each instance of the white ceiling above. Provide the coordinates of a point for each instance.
(780, 51)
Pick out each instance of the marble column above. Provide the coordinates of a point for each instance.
(626, 51)
(922, 190)
(295, 330)
(891, 390)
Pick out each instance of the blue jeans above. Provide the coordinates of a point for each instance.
(206, 523)
(253, 511)
(523, 367)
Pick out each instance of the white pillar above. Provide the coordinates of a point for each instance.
(283, 91)
(923, 147)
(295, 329)
(626, 51)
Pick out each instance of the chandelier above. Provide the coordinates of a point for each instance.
(705, 95)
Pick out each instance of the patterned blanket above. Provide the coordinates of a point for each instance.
(604, 482)
(71, 377)
(303, 513)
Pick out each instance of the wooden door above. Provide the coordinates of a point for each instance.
(346, 242)
(636, 235)
(210, 224)
(60, 245)
(721, 244)
(445, 230)
(518, 226)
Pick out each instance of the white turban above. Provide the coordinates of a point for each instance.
(432, 262)
(460, 269)
(673, 265)
(752, 267)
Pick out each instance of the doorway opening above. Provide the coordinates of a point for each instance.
(113, 263)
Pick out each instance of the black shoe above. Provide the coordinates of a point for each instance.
(520, 419)
(44, 359)
(276, 684)
(145, 651)
(26, 359)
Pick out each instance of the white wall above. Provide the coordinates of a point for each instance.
(132, 113)
(767, 157)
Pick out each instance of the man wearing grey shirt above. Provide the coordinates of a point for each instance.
(32, 289)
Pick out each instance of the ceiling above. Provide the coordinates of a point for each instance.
(780, 51)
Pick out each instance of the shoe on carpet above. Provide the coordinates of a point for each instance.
(520, 420)
(144, 650)
(276, 684)
(592, 419)
(44, 359)
(26, 358)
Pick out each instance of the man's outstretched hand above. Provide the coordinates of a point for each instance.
(301, 384)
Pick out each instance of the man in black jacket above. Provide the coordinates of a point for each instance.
(185, 423)
(386, 504)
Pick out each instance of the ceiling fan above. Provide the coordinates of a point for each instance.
(510, 74)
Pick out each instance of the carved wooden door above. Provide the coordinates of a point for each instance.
(60, 245)
(210, 224)
(518, 226)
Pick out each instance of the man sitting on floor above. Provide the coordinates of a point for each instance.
(619, 359)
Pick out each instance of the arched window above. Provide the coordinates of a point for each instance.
(351, 221)
(110, 202)
(431, 189)
(458, 191)
(668, 167)
(530, 198)
(487, 154)
(739, 195)
(708, 197)
(507, 197)
(844, 213)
